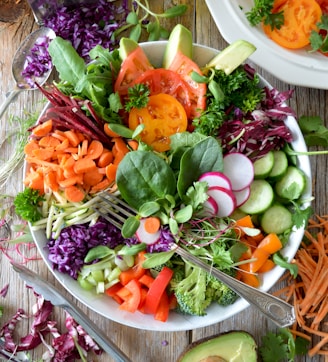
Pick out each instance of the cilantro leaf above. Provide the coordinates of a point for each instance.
(314, 131)
(27, 204)
(282, 346)
(281, 261)
(319, 39)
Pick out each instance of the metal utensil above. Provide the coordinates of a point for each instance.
(49, 292)
(18, 66)
(116, 211)
(13, 357)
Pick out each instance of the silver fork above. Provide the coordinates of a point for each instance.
(116, 211)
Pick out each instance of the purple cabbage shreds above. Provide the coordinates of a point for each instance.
(4, 291)
(41, 313)
(68, 251)
(89, 25)
(164, 243)
(38, 61)
(262, 130)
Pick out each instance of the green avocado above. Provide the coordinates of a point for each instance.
(236, 346)
(232, 56)
(180, 40)
(127, 46)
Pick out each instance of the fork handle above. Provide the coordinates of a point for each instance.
(280, 312)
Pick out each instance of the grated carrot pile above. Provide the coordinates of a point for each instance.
(309, 291)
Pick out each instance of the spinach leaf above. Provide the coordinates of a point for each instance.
(204, 156)
(66, 60)
(142, 176)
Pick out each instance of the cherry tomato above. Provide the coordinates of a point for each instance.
(162, 117)
(169, 82)
(301, 17)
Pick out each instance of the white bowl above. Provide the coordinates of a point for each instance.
(297, 67)
(177, 322)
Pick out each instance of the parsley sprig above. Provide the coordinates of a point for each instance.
(138, 97)
(319, 39)
(262, 12)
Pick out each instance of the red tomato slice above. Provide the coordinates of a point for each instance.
(184, 66)
(168, 82)
(134, 65)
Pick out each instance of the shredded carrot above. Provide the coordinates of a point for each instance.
(309, 291)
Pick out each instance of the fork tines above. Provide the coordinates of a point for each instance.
(113, 209)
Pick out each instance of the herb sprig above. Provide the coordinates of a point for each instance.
(262, 12)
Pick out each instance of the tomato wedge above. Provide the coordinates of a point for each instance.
(162, 117)
(166, 81)
(134, 65)
(301, 17)
(184, 66)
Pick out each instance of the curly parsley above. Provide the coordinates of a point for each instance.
(27, 204)
(262, 12)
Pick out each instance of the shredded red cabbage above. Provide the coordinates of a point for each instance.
(262, 130)
(68, 251)
(63, 345)
(85, 26)
(88, 25)
(38, 61)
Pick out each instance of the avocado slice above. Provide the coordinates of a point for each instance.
(232, 56)
(180, 40)
(236, 346)
(127, 46)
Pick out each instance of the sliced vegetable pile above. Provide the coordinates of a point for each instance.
(154, 138)
(293, 24)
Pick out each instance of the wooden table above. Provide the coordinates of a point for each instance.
(141, 345)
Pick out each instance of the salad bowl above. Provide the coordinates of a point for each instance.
(215, 313)
(298, 67)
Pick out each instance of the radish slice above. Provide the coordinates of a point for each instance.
(239, 169)
(242, 196)
(146, 237)
(225, 199)
(214, 178)
(210, 207)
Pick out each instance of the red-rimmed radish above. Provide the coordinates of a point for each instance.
(214, 178)
(210, 207)
(225, 200)
(144, 236)
(239, 169)
(242, 195)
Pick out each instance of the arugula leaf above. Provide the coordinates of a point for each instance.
(67, 61)
(27, 204)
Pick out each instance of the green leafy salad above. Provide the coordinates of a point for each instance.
(202, 155)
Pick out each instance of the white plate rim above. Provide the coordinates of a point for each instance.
(295, 67)
(177, 322)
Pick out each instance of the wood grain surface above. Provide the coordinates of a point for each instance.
(140, 345)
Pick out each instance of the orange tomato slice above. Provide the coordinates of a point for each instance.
(162, 117)
(301, 17)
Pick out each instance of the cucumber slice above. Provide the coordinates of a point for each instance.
(260, 198)
(264, 165)
(291, 185)
(276, 219)
(280, 165)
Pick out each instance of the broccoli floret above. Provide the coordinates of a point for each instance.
(219, 292)
(191, 292)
